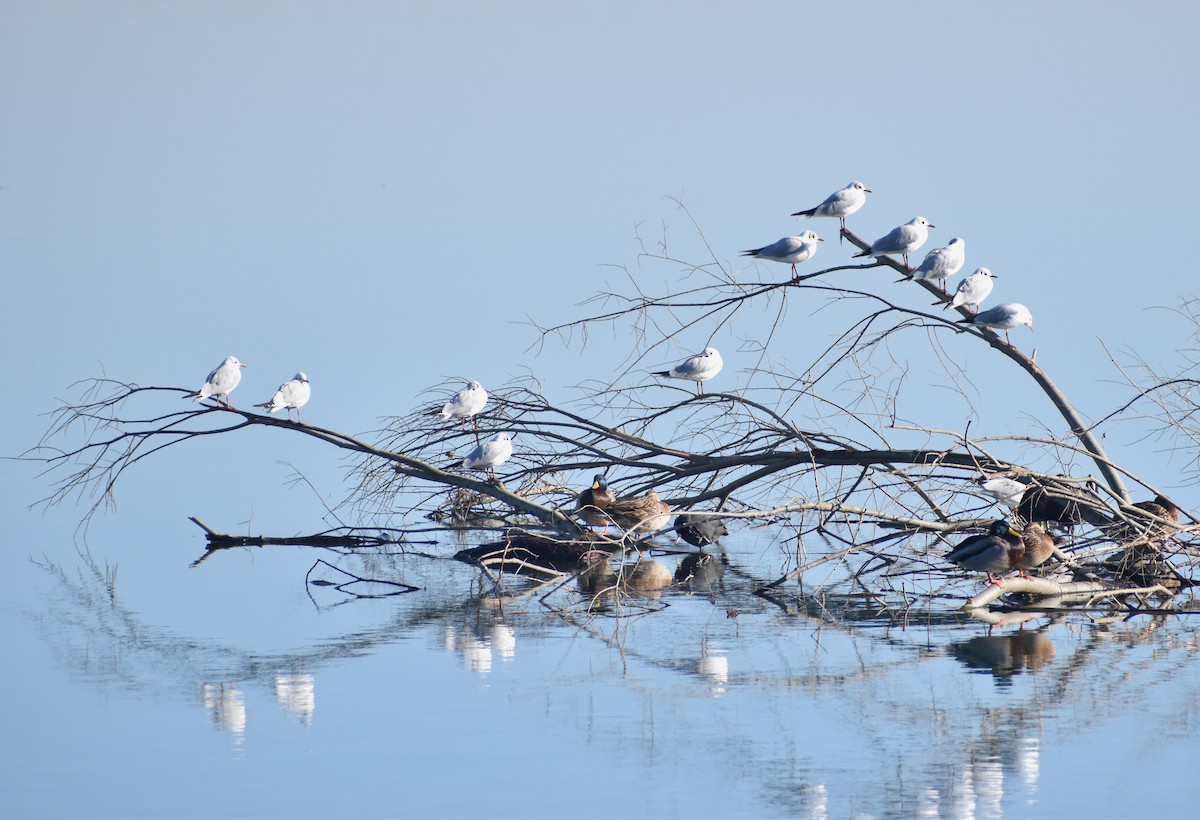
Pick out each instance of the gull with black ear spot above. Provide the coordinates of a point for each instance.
(1002, 317)
(220, 382)
(972, 290)
(902, 240)
(789, 250)
(466, 404)
(942, 263)
(840, 204)
(699, 368)
(489, 455)
(291, 395)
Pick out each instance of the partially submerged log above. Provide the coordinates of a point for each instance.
(1053, 594)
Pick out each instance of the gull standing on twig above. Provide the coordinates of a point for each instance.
(790, 249)
(220, 382)
(902, 240)
(291, 394)
(466, 403)
(699, 368)
(840, 203)
(972, 290)
(1002, 317)
(1007, 491)
(490, 455)
(942, 263)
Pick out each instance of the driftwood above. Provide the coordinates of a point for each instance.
(1053, 594)
(345, 538)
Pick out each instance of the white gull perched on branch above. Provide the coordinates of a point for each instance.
(466, 403)
(291, 395)
(840, 203)
(490, 455)
(972, 290)
(942, 263)
(220, 382)
(790, 250)
(902, 240)
(699, 368)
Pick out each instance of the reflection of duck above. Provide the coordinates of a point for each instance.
(648, 576)
(592, 502)
(640, 514)
(699, 530)
(701, 572)
(645, 577)
(996, 552)
(520, 549)
(1003, 656)
(1039, 545)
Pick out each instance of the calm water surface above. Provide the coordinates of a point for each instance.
(235, 689)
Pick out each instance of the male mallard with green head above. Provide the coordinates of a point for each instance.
(996, 552)
(591, 504)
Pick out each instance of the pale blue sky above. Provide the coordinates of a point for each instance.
(379, 193)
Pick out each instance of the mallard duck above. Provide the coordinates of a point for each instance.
(1160, 506)
(997, 552)
(699, 530)
(641, 514)
(592, 502)
(1063, 505)
(1039, 545)
(1143, 530)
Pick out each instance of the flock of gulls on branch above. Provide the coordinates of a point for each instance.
(1001, 550)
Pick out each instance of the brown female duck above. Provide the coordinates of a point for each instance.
(640, 514)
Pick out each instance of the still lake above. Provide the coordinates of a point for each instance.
(236, 688)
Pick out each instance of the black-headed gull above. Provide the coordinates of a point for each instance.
(902, 240)
(489, 455)
(1007, 491)
(840, 203)
(220, 382)
(466, 403)
(972, 290)
(942, 263)
(1002, 317)
(790, 250)
(291, 395)
(699, 368)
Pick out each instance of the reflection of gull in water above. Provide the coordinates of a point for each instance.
(477, 652)
(294, 692)
(226, 708)
(504, 641)
(814, 802)
(1027, 760)
(713, 666)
